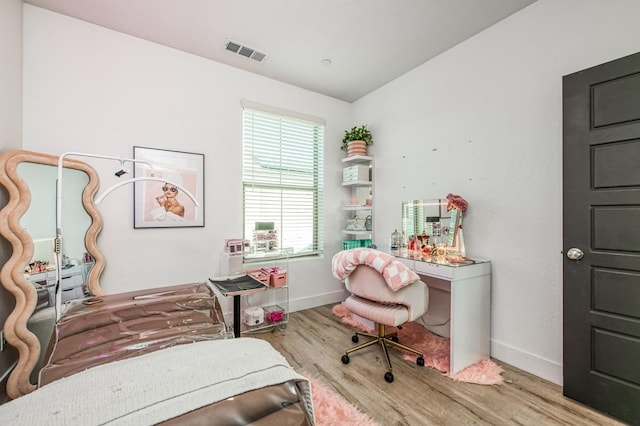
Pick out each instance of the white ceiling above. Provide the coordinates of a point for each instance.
(369, 42)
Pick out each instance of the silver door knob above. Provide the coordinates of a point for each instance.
(575, 254)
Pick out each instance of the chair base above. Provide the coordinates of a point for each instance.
(385, 340)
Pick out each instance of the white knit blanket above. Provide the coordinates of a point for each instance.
(157, 386)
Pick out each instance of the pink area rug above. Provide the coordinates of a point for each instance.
(331, 409)
(435, 349)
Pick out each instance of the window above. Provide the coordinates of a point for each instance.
(282, 181)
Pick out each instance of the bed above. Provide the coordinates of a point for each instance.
(155, 356)
(159, 356)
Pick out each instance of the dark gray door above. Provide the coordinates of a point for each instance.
(601, 219)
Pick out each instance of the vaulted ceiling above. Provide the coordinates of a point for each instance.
(341, 48)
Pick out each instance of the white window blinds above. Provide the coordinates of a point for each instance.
(282, 183)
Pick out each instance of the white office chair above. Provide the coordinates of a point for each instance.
(371, 298)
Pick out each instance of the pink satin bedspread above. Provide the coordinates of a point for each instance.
(116, 327)
(125, 325)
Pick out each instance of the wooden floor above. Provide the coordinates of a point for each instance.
(314, 341)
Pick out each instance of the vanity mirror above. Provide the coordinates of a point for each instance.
(28, 223)
(424, 217)
(432, 229)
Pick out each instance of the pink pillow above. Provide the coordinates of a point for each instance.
(395, 273)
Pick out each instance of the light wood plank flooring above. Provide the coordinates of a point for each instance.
(314, 341)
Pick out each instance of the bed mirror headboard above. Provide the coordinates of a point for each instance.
(28, 223)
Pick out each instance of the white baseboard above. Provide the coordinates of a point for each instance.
(531, 363)
(316, 300)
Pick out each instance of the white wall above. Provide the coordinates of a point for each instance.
(90, 89)
(11, 72)
(484, 120)
(10, 129)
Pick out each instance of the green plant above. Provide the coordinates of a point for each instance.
(356, 134)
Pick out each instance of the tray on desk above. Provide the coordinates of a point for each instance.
(238, 284)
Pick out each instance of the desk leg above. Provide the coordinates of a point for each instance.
(236, 315)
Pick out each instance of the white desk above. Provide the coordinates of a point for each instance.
(72, 280)
(468, 288)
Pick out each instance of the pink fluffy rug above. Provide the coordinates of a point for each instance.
(435, 349)
(331, 409)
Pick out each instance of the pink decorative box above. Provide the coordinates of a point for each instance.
(273, 314)
(260, 275)
(234, 246)
(277, 277)
(278, 280)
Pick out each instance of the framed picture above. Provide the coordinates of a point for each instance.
(165, 202)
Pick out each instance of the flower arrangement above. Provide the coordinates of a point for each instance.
(361, 133)
(456, 202)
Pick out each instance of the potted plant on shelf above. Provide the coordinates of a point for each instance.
(356, 140)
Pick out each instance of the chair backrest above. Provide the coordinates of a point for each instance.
(369, 284)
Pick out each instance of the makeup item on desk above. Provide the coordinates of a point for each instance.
(395, 242)
(441, 253)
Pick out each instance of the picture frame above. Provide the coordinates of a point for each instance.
(160, 204)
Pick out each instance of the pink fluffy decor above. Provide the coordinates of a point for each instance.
(435, 349)
(331, 409)
(457, 202)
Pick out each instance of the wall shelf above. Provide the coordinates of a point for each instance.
(358, 183)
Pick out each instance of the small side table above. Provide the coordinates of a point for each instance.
(237, 286)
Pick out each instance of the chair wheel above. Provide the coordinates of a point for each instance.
(345, 359)
(355, 338)
(395, 339)
(388, 376)
(420, 361)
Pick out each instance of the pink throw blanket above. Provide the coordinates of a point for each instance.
(395, 273)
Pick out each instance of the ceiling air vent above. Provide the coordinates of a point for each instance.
(245, 51)
(233, 47)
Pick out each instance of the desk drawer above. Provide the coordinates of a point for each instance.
(434, 270)
(72, 293)
(72, 281)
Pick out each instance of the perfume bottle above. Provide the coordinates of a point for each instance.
(395, 242)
